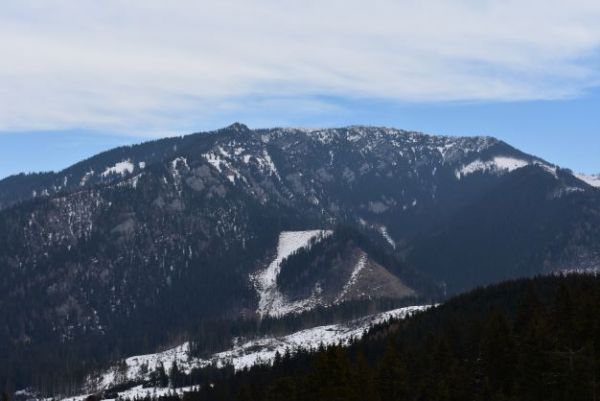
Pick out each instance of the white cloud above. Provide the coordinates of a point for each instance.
(139, 65)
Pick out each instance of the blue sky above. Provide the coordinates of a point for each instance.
(565, 132)
(78, 77)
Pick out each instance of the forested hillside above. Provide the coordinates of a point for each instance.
(535, 339)
(140, 248)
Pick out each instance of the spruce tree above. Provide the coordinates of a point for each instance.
(162, 380)
(174, 375)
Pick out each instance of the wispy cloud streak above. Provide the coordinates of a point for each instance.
(153, 65)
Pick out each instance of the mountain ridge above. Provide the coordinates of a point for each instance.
(53, 182)
(174, 229)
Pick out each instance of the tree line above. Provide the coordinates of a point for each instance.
(533, 340)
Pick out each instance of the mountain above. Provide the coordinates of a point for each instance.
(149, 245)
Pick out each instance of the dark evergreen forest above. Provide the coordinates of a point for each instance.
(535, 339)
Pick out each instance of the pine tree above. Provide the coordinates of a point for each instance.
(174, 375)
(162, 380)
(121, 371)
(277, 361)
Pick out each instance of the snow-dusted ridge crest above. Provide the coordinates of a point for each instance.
(372, 134)
(244, 354)
(412, 147)
(593, 180)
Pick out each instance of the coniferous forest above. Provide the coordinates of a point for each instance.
(534, 339)
(100, 262)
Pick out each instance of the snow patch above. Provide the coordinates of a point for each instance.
(131, 182)
(549, 169)
(444, 149)
(214, 160)
(360, 265)
(123, 167)
(565, 191)
(265, 163)
(509, 163)
(179, 161)
(85, 178)
(593, 180)
(384, 232)
(219, 161)
(590, 271)
(271, 300)
(139, 392)
(499, 164)
(262, 351)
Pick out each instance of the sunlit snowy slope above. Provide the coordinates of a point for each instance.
(242, 355)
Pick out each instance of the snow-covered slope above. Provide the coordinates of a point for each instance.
(140, 391)
(242, 355)
(362, 277)
(263, 350)
(271, 301)
(593, 180)
(122, 168)
(499, 164)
